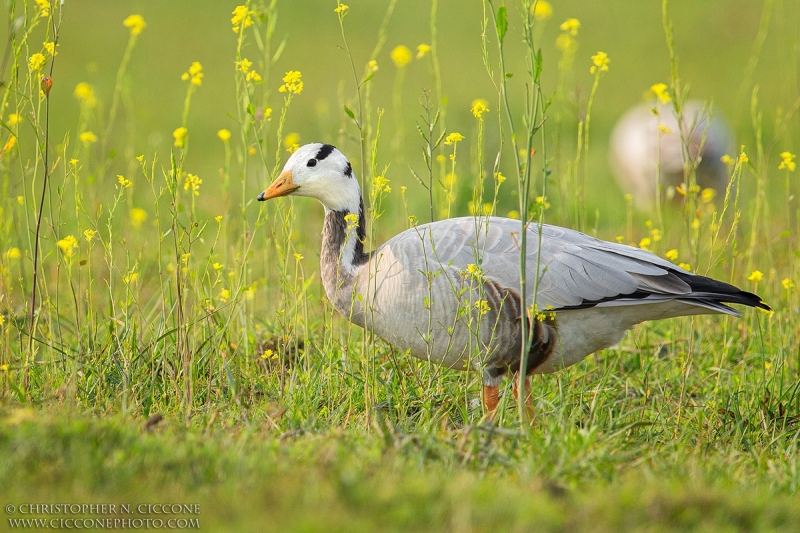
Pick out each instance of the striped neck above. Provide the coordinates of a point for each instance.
(343, 237)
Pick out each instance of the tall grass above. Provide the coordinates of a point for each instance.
(164, 288)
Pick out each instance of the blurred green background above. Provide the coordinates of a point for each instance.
(714, 41)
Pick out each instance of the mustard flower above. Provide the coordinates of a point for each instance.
(138, 216)
(87, 138)
(542, 10)
(373, 66)
(341, 9)
(244, 65)
(68, 244)
(136, 24)
(787, 283)
(85, 93)
(743, 158)
(352, 220)
(44, 7)
(422, 50)
(728, 160)
(13, 118)
(292, 139)
(660, 90)
(380, 185)
(10, 143)
(482, 306)
(193, 182)
(685, 266)
(564, 42)
(672, 255)
(292, 83)
(13, 253)
(36, 61)
(664, 129)
(130, 277)
(401, 56)
(51, 48)
(224, 135)
(755, 275)
(180, 135)
(253, 76)
(453, 138)
(479, 107)
(571, 26)
(89, 235)
(787, 161)
(242, 18)
(195, 74)
(124, 182)
(707, 194)
(601, 61)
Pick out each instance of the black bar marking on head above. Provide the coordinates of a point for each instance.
(324, 151)
(348, 170)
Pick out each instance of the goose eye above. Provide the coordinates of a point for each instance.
(311, 163)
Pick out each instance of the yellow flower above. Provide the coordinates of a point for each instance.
(242, 18)
(672, 255)
(13, 253)
(373, 66)
(352, 220)
(130, 277)
(292, 83)
(36, 61)
(542, 200)
(21, 200)
(660, 90)
(224, 135)
(195, 74)
(479, 107)
(655, 234)
(68, 244)
(542, 10)
(89, 234)
(218, 218)
(498, 176)
(513, 214)
(728, 160)
(644, 244)
(787, 161)
(224, 294)
(401, 56)
(244, 65)
(4, 368)
(180, 135)
(254, 76)
(755, 275)
(298, 257)
(12, 119)
(218, 266)
(252, 150)
(453, 138)
(564, 42)
(601, 61)
(380, 185)
(292, 139)
(85, 93)
(743, 158)
(664, 129)
(44, 7)
(571, 26)
(787, 284)
(136, 24)
(482, 306)
(124, 182)
(12, 141)
(138, 216)
(685, 266)
(341, 9)
(51, 48)
(87, 138)
(193, 182)
(422, 50)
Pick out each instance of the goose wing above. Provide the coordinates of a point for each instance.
(569, 269)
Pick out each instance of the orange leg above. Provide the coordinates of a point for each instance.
(490, 397)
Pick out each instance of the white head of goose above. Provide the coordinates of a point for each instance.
(449, 291)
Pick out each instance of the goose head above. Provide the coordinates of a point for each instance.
(320, 171)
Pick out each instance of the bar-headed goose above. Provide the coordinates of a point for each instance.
(449, 291)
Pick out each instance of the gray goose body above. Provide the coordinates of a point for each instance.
(449, 291)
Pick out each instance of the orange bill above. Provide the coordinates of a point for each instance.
(280, 187)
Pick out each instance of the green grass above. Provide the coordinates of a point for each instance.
(208, 309)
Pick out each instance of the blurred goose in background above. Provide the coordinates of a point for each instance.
(449, 291)
(635, 143)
